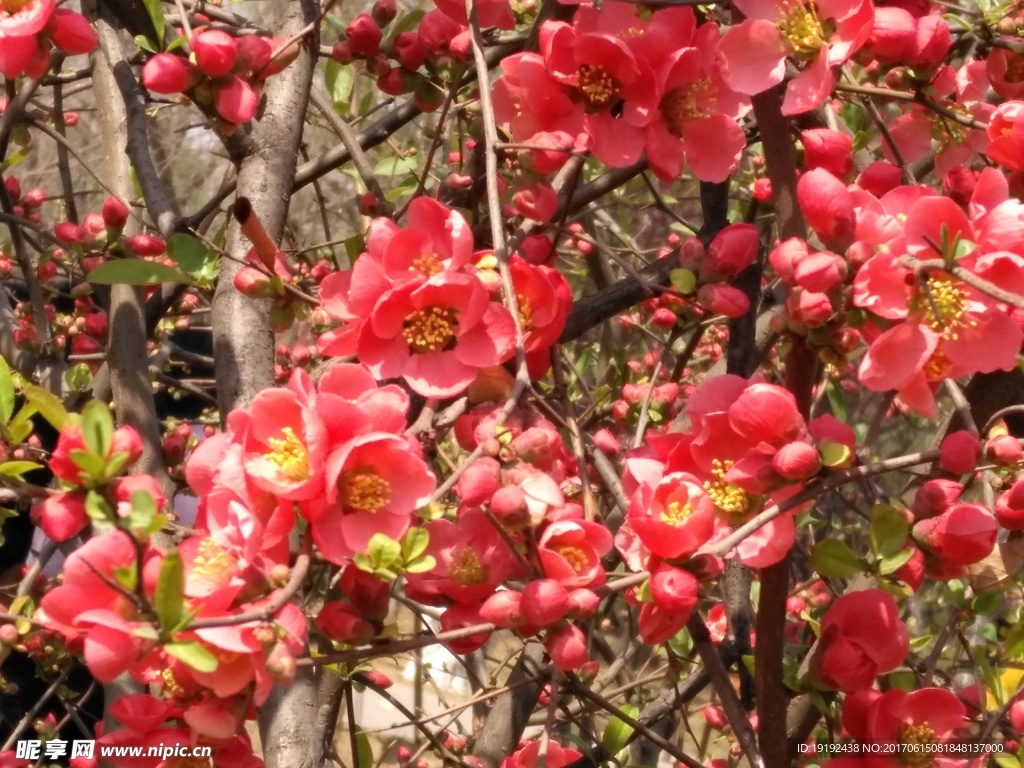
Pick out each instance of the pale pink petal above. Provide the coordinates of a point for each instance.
(752, 57)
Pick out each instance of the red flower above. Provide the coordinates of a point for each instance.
(861, 637)
(436, 335)
(673, 519)
(557, 756)
(963, 534)
(374, 484)
(915, 720)
(570, 551)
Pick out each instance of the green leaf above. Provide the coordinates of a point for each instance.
(395, 166)
(421, 564)
(194, 654)
(683, 280)
(903, 678)
(145, 44)
(89, 463)
(98, 508)
(6, 392)
(384, 551)
(46, 404)
(987, 603)
(618, 733)
(365, 756)
(136, 272)
(1014, 641)
(836, 456)
(170, 589)
(189, 253)
(340, 80)
(143, 512)
(97, 428)
(893, 563)
(156, 15)
(146, 632)
(415, 543)
(889, 529)
(1006, 760)
(834, 558)
(176, 43)
(18, 468)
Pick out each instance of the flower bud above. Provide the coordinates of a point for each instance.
(1003, 450)
(724, 299)
(216, 52)
(935, 497)
(544, 602)
(796, 461)
(167, 73)
(146, 245)
(71, 32)
(235, 101)
(674, 590)
(567, 647)
(384, 12)
(502, 609)
(363, 36)
(479, 481)
(250, 282)
(115, 213)
(960, 452)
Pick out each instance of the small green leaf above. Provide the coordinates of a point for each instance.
(365, 757)
(194, 654)
(987, 603)
(6, 392)
(145, 44)
(18, 468)
(97, 427)
(340, 80)
(98, 508)
(384, 551)
(143, 513)
(683, 280)
(176, 43)
(189, 253)
(834, 558)
(893, 563)
(1014, 641)
(156, 15)
(836, 456)
(396, 166)
(415, 543)
(618, 733)
(170, 589)
(146, 632)
(89, 463)
(46, 404)
(136, 272)
(421, 564)
(1006, 760)
(889, 530)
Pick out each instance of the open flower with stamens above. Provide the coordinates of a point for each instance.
(471, 557)
(697, 114)
(614, 88)
(674, 518)
(285, 445)
(374, 484)
(436, 335)
(817, 35)
(919, 721)
(570, 552)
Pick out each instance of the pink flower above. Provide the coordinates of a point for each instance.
(436, 335)
(819, 36)
(570, 551)
(22, 55)
(614, 88)
(374, 484)
(471, 558)
(697, 114)
(20, 18)
(1005, 133)
(673, 519)
(527, 757)
(1005, 71)
(916, 719)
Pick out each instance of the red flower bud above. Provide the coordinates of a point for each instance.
(115, 213)
(167, 73)
(235, 101)
(364, 36)
(567, 647)
(795, 461)
(216, 52)
(960, 452)
(674, 590)
(71, 32)
(502, 609)
(544, 602)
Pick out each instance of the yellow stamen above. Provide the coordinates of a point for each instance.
(290, 456)
(429, 330)
(428, 264)
(574, 556)
(944, 305)
(211, 561)
(728, 497)
(693, 101)
(598, 89)
(465, 567)
(676, 514)
(364, 490)
(801, 30)
(917, 738)
(13, 6)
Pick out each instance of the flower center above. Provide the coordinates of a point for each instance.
(170, 684)
(525, 312)
(676, 514)
(429, 330)
(728, 497)
(946, 131)
(466, 568)
(289, 456)
(599, 89)
(800, 29)
(428, 264)
(11, 7)
(944, 304)
(211, 561)
(364, 490)
(693, 101)
(574, 556)
(917, 738)
(1014, 70)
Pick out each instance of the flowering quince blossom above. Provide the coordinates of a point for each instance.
(28, 27)
(941, 320)
(818, 36)
(914, 720)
